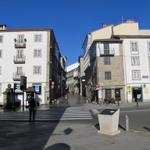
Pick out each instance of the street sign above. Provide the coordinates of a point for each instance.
(98, 86)
(37, 88)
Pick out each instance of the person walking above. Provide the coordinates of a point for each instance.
(32, 108)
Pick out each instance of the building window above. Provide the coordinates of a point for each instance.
(20, 54)
(0, 53)
(19, 71)
(37, 53)
(106, 49)
(135, 60)
(134, 46)
(20, 38)
(106, 60)
(38, 37)
(1, 39)
(106, 46)
(107, 75)
(37, 69)
(136, 74)
(148, 46)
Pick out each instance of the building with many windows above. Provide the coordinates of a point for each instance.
(117, 62)
(73, 78)
(34, 53)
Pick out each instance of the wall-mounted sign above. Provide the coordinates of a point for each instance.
(37, 88)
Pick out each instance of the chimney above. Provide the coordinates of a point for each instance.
(3, 27)
(104, 25)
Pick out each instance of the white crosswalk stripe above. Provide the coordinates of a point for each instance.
(75, 113)
(71, 113)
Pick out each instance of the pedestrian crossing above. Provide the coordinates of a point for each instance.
(76, 113)
(70, 113)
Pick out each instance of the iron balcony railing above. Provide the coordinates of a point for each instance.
(20, 44)
(19, 60)
(16, 76)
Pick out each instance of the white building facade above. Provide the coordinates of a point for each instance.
(73, 78)
(26, 52)
(137, 68)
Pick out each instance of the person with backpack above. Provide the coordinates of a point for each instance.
(32, 107)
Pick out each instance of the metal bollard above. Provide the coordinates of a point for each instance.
(127, 122)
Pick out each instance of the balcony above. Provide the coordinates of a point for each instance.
(19, 60)
(20, 44)
(107, 52)
(16, 76)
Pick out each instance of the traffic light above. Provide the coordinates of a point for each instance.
(23, 82)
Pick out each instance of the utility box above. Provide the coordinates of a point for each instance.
(109, 121)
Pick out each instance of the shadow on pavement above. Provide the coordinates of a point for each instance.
(68, 131)
(59, 146)
(22, 135)
(146, 128)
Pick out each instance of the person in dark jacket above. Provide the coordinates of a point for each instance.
(32, 108)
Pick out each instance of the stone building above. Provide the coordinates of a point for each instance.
(117, 62)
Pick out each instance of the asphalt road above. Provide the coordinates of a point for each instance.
(139, 119)
(25, 136)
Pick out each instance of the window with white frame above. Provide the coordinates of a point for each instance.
(136, 75)
(37, 53)
(134, 46)
(20, 53)
(0, 53)
(20, 38)
(108, 75)
(19, 71)
(37, 69)
(148, 46)
(106, 60)
(135, 60)
(1, 39)
(38, 37)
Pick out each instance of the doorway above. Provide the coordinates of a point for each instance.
(108, 94)
(137, 94)
(117, 94)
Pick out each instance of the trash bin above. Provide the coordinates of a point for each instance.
(109, 121)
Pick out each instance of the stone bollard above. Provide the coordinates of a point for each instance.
(127, 122)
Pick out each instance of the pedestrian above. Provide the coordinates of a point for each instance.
(32, 108)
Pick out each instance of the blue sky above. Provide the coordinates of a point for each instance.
(71, 20)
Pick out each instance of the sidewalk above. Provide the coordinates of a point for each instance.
(85, 137)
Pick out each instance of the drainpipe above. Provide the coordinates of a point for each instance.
(98, 72)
